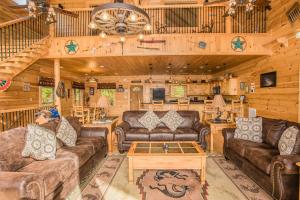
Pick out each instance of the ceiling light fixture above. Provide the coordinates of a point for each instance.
(120, 19)
(298, 35)
(102, 34)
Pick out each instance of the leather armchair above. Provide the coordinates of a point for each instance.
(21, 185)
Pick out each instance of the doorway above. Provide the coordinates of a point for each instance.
(136, 96)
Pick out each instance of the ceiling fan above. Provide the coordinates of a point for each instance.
(36, 7)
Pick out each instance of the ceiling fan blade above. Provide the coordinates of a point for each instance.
(215, 2)
(66, 12)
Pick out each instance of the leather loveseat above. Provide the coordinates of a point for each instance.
(26, 178)
(132, 130)
(277, 174)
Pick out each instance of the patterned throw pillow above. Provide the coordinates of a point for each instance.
(172, 120)
(149, 120)
(287, 140)
(66, 133)
(40, 143)
(249, 129)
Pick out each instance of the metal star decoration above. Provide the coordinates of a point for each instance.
(71, 47)
(238, 44)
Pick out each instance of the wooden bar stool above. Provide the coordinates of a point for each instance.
(183, 104)
(208, 111)
(237, 109)
(78, 111)
(158, 105)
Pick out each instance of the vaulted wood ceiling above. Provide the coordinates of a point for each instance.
(8, 13)
(140, 65)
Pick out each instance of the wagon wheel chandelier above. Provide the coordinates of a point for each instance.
(120, 19)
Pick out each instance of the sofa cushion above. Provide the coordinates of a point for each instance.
(261, 157)
(239, 146)
(97, 142)
(249, 129)
(186, 134)
(53, 125)
(66, 133)
(74, 122)
(12, 143)
(287, 141)
(40, 143)
(272, 130)
(53, 172)
(172, 120)
(137, 134)
(80, 153)
(149, 120)
(159, 136)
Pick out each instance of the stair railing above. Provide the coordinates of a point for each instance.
(20, 34)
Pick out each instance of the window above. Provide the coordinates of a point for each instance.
(78, 96)
(109, 94)
(182, 17)
(178, 91)
(21, 2)
(47, 95)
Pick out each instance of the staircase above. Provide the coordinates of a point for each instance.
(22, 42)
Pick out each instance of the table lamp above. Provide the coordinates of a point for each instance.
(103, 104)
(218, 104)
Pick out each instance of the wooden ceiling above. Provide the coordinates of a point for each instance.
(8, 13)
(140, 65)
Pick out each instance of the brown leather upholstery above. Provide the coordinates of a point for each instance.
(277, 174)
(131, 130)
(25, 178)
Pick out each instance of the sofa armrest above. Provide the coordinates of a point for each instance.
(227, 133)
(286, 163)
(285, 176)
(21, 185)
(120, 131)
(203, 130)
(94, 132)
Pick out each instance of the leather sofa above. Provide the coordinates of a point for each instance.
(26, 178)
(131, 130)
(277, 174)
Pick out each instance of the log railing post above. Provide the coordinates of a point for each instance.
(57, 80)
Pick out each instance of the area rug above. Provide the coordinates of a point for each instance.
(171, 184)
(246, 185)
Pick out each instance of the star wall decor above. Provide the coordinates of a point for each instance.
(71, 47)
(4, 85)
(238, 44)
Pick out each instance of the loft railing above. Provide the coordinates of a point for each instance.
(175, 19)
(20, 34)
(19, 117)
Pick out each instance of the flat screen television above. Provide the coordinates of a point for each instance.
(158, 94)
(268, 80)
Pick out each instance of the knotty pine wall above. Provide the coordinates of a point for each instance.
(15, 97)
(281, 102)
(8, 13)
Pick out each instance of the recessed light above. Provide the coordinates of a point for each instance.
(86, 74)
(201, 67)
(209, 70)
(184, 67)
(218, 67)
(101, 66)
(298, 35)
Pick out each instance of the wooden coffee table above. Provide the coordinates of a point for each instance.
(180, 155)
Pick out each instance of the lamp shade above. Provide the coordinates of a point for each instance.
(218, 101)
(103, 102)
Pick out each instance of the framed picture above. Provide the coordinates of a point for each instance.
(92, 91)
(268, 79)
(242, 85)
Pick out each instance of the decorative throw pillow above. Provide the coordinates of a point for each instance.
(249, 129)
(52, 125)
(287, 140)
(66, 133)
(149, 120)
(40, 143)
(172, 120)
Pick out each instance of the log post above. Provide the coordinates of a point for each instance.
(56, 80)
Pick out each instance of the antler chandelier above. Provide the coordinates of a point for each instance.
(120, 19)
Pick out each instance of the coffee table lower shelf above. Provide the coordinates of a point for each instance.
(192, 157)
